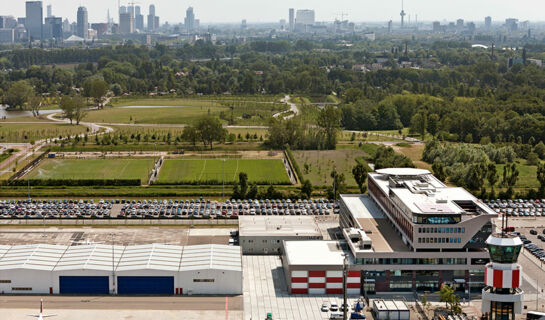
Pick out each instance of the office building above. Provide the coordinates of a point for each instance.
(189, 20)
(488, 22)
(264, 234)
(122, 9)
(100, 28)
(305, 17)
(83, 23)
(460, 23)
(139, 22)
(243, 25)
(34, 20)
(7, 35)
(511, 24)
(471, 28)
(156, 22)
(126, 23)
(7, 22)
(49, 11)
(292, 19)
(53, 28)
(436, 26)
(396, 238)
(151, 18)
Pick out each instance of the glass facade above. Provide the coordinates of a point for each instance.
(504, 254)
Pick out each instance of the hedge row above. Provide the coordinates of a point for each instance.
(215, 182)
(295, 165)
(73, 182)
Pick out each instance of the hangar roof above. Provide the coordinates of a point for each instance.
(125, 258)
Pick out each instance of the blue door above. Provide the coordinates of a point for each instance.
(145, 285)
(84, 285)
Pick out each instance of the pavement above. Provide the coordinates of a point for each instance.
(293, 109)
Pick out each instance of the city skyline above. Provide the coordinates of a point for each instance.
(215, 11)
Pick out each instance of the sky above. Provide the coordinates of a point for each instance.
(208, 11)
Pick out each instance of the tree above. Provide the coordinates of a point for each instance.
(329, 120)
(209, 130)
(95, 88)
(79, 109)
(439, 171)
(18, 94)
(433, 124)
(360, 175)
(243, 183)
(306, 189)
(353, 94)
(541, 178)
(451, 300)
(338, 185)
(67, 106)
(252, 193)
(35, 103)
(532, 159)
(540, 150)
(492, 177)
(191, 135)
(419, 123)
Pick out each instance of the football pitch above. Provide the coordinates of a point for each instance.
(93, 169)
(214, 170)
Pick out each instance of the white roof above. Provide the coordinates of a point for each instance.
(287, 226)
(403, 171)
(123, 258)
(74, 38)
(314, 252)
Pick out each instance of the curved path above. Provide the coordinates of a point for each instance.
(293, 109)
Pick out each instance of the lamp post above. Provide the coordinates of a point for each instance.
(345, 305)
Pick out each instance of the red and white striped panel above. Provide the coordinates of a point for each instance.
(324, 282)
(316, 282)
(504, 279)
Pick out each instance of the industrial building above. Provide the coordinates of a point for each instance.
(104, 269)
(264, 234)
(411, 233)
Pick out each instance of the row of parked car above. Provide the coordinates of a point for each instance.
(518, 207)
(227, 209)
(29, 209)
(195, 208)
(533, 248)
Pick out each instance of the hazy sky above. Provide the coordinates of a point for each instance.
(326, 10)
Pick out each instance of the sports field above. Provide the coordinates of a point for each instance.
(212, 170)
(93, 169)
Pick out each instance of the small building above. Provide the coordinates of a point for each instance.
(103, 269)
(391, 310)
(264, 234)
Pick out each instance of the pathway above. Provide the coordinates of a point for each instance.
(293, 109)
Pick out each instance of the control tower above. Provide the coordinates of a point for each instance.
(502, 296)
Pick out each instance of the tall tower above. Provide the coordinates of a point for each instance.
(189, 20)
(502, 296)
(292, 19)
(49, 11)
(83, 23)
(34, 20)
(402, 14)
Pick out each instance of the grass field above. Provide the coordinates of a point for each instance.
(195, 171)
(164, 102)
(10, 132)
(321, 163)
(414, 152)
(93, 169)
(527, 175)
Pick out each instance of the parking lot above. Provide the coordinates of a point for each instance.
(163, 209)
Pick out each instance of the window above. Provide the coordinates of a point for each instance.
(5, 281)
(203, 280)
(264, 241)
(21, 289)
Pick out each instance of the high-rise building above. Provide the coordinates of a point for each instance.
(126, 23)
(151, 18)
(156, 22)
(511, 24)
(8, 22)
(460, 23)
(137, 10)
(292, 19)
(471, 27)
(7, 35)
(100, 28)
(34, 20)
(53, 28)
(189, 20)
(390, 26)
(49, 11)
(83, 23)
(122, 9)
(305, 17)
(138, 18)
(244, 25)
(436, 26)
(488, 22)
(402, 14)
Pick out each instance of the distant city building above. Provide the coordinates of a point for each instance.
(460, 23)
(243, 25)
(100, 28)
(305, 17)
(7, 35)
(292, 19)
(66, 25)
(126, 23)
(122, 9)
(83, 23)
(471, 27)
(488, 22)
(156, 22)
(436, 26)
(390, 26)
(152, 9)
(139, 22)
(21, 20)
(151, 18)
(189, 20)
(34, 20)
(511, 24)
(53, 28)
(49, 11)
(7, 22)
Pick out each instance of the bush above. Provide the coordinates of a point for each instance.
(73, 182)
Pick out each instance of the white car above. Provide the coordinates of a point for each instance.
(334, 307)
(324, 308)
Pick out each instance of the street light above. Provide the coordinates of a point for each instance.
(345, 305)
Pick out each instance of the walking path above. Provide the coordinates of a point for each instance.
(293, 109)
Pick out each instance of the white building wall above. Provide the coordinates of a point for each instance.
(225, 282)
(40, 281)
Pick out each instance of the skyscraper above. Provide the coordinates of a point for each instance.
(151, 18)
(305, 17)
(488, 22)
(83, 23)
(189, 20)
(138, 19)
(402, 14)
(34, 20)
(292, 19)
(122, 9)
(126, 23)
(53, 28)
(49, 11)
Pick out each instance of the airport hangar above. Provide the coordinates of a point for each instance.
(411, 233)
(104, 269)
